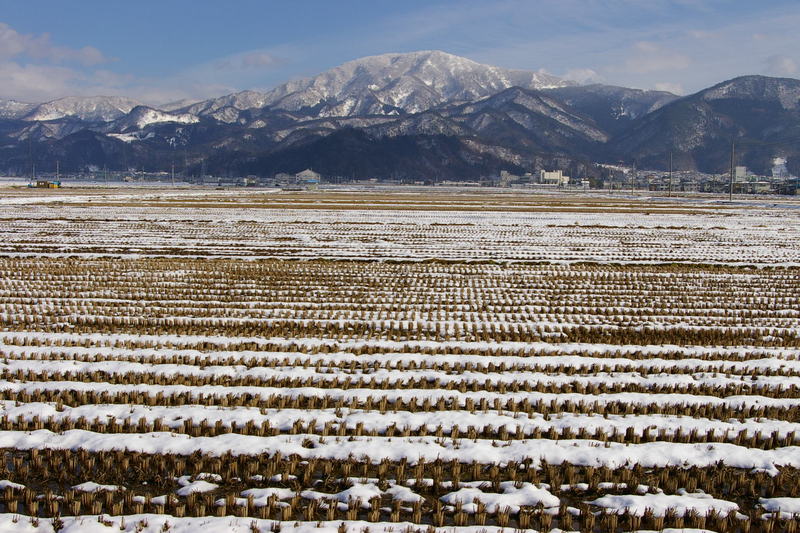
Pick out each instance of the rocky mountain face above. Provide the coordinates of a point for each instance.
(416, 115)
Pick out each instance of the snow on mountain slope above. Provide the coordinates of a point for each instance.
(224, 108)
(11, 109)
(785, 91)
(88, 108)
(612, 108)
(412, 82)
(526, 108)
(143, 116)
(387, 84)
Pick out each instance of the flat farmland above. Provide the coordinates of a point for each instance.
(250, 360)
(407, 227)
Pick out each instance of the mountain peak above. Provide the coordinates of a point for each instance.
(142, 116)
(384, 84)
(785, 91)
(11, 109)
(409, 82)
(88, 108)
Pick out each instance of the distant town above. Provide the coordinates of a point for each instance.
(615, 177)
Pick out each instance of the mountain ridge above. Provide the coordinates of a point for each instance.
(421, 97)
(88, 108)
(382, 84)
(752, 111)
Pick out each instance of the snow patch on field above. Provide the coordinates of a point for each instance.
(511, 497)
(748, 236)
(189, 487)
(682, 504)
(786, 508)
(153, 523)
(578, 452)
(91, 486)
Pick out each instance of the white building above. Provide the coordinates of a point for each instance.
(553, 177)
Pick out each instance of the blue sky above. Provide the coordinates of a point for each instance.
(168, 50)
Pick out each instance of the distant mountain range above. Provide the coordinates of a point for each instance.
(416, 115)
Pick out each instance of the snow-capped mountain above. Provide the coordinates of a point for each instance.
(143, 116)
(527, 108)
(382, 85)
(11, 109)
(49, 130)
(760, 113)
(90, 109)
(226, 108)
(422, 104)
(612, 108)
(410, 82)
(783, 91)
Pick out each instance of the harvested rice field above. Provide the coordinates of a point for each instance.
(408, 360)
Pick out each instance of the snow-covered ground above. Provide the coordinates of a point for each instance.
(126, 223)
(150, 523)
(545, 364)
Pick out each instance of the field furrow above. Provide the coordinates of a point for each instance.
(399, 362)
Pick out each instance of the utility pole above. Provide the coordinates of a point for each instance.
(173, 174)
(58, 174)
(634, 176)
(733, 170)
(670, 174)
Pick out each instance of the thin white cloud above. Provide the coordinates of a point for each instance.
(251, 60)
(34, 69)
(583, 75)
(649, 57)
(674, 88)
(700, 34)
(694, 44)
(258, 60)
(645, 44)
(39, 47)
(35, 83)
(780, 65)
